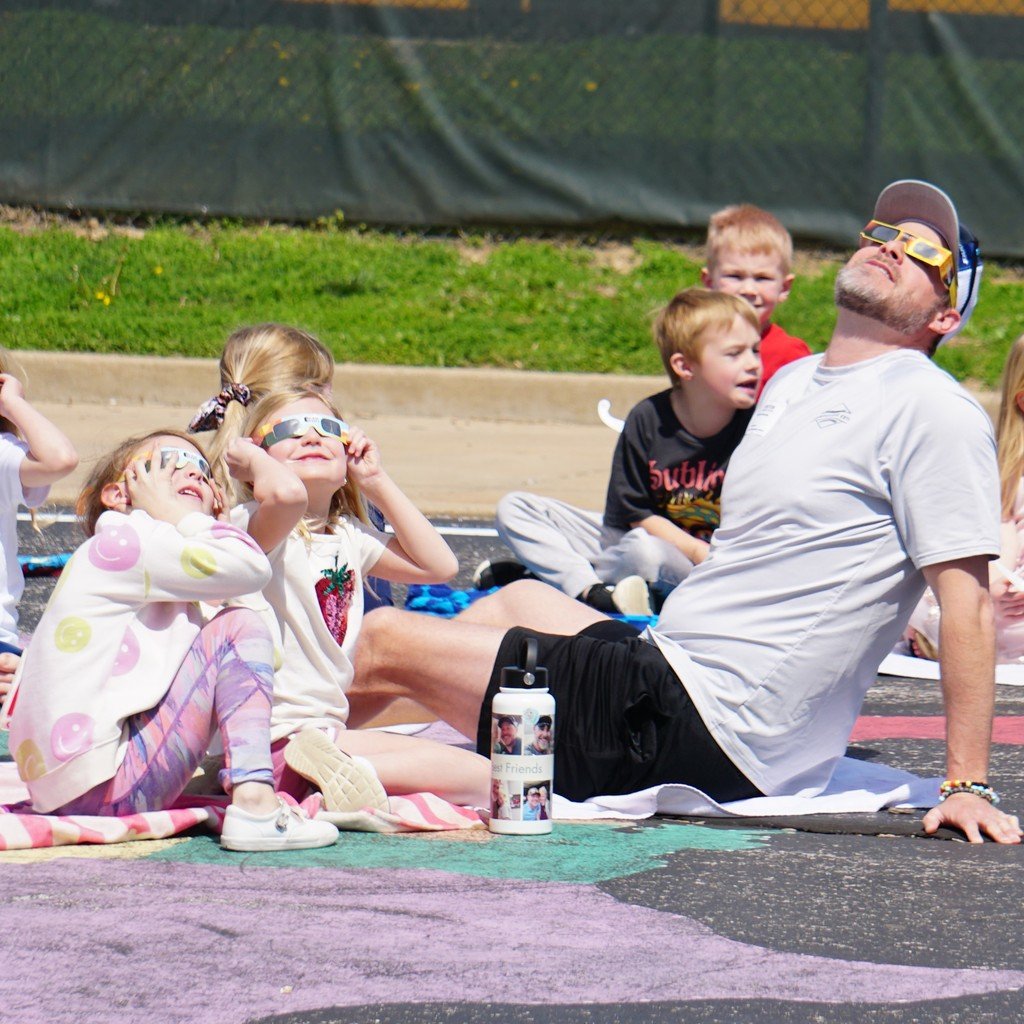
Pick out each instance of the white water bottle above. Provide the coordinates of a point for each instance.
(522, 750)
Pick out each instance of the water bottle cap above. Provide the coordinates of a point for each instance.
(515, 678)
(532, 676)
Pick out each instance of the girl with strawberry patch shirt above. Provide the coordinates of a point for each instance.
(307, 472)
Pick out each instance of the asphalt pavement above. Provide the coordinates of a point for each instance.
(841, 919)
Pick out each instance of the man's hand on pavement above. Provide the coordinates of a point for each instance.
(973, 815)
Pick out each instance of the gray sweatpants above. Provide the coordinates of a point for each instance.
(572, 549)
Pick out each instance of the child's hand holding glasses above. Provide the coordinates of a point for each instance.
(151, 488)
(364, 461)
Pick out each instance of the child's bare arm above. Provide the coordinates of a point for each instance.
(417, 553)
(51, 455)
(8, 667)
(1009, 543)
(280, 495)
(695, 549)
(1009, 599)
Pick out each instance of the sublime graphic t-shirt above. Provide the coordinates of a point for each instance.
(659, 468)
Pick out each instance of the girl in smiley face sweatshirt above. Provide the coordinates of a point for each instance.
(115, 703)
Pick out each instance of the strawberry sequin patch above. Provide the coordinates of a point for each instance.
(334, 595)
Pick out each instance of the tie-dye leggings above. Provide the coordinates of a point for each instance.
(225, 681)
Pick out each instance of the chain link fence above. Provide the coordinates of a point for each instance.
(563, 113)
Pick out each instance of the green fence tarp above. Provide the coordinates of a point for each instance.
(527, 112)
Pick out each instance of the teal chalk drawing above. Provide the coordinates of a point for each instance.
(581, 853)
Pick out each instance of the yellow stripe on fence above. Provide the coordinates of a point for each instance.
(850, 14)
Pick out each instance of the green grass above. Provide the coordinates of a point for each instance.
(381, 298)
(373, 298)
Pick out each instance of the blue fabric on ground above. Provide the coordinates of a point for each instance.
(43, 565)
(442, 600)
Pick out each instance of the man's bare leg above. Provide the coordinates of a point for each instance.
(532, 604)
(443, 664)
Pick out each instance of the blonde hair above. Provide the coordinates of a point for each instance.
(264, 358)
(750, 230)
(89, 506)
(1010, 429)
(347, 500)
(684, 324)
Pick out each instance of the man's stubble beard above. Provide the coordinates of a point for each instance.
(895, 311)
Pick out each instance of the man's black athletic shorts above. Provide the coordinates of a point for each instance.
(623, 720)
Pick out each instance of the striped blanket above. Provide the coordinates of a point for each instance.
(20, 829)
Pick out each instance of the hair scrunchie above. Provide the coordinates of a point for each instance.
(210, 414)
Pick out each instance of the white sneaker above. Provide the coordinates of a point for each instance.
(347, 783)
(632, 596)
(287, 828)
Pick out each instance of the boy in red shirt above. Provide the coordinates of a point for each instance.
(750, 254)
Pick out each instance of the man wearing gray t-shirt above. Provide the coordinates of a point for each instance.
(865, 474)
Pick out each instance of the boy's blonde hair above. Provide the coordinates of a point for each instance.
(257, 360)
(684, 324)
(1010, 429)
(750, 230)
(89, 506)
(347, 500)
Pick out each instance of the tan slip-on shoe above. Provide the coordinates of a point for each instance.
(346, 784)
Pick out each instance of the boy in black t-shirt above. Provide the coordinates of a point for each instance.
(667, 470)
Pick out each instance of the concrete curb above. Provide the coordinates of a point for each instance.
(526, 396)
(77, 378)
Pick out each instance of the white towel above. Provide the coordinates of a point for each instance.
(856, 787)
(899, 663)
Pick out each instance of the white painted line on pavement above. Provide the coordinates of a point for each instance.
(460, 531)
